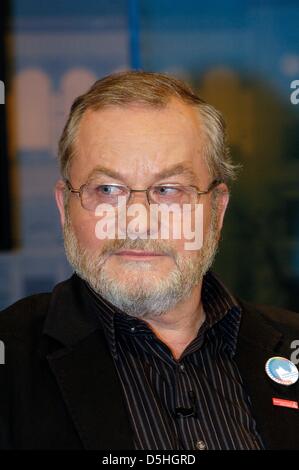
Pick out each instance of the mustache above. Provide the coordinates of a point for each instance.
(158, 247)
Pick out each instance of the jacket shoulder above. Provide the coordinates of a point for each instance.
(23, 314)
(282, 319)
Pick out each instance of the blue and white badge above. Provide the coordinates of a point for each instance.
(282, 371)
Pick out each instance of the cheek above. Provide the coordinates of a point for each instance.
(207, 218)
(195, 225)
(84, 226)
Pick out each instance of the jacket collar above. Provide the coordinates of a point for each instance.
(72, 315)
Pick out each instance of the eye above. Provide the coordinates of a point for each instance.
(109, 190)
(167, 191)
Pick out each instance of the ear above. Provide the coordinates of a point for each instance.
(223, 199)
(59, 196)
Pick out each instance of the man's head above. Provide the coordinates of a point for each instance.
(139, 130)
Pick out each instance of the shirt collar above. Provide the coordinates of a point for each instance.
(223, 315)
(223, 312)
(107, 312)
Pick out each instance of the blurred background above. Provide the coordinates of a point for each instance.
(239, 56)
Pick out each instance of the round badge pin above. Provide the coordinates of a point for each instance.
(282, 371)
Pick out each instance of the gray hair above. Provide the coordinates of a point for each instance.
(155, 90)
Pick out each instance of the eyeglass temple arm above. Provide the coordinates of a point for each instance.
(70, 187)
(212, 186)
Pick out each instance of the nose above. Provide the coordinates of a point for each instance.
(136, 192)
(138, 215)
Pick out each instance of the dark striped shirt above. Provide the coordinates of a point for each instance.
(196, 402)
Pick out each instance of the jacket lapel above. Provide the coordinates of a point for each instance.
(92, 392)
(259, 341)
(84, 370)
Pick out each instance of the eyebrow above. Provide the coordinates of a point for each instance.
(174, 170)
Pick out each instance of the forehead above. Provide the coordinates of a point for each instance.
(139, 140)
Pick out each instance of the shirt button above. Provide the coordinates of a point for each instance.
(200, 445)
(132, 329)
(182, 367)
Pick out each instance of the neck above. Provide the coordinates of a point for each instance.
(179, 326)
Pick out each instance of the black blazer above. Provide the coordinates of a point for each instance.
(59, 388)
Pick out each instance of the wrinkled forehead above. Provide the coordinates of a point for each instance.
(139, 140)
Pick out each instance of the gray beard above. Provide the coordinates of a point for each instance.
(148, 295)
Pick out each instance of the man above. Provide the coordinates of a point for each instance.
(144, 347)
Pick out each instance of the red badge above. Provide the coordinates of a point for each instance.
(286, 403)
